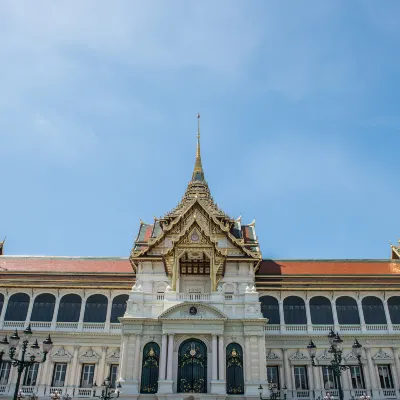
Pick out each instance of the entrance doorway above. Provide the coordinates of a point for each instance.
(192, 367)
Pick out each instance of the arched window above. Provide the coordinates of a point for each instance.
(1, 302)
(373, 310)
(43, 307)
(150, 364)
(347, 311)
(17, 307)
(118, 307)
(234, 369)
(394, 309)
(294, 311)
(270, 309)
(96, 308)
(70, 308)
(321, 311)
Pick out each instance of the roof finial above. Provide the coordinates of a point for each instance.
(198, 174)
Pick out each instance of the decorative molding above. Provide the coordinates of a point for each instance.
(271, 355)
(298, 356)
(89, 357)
(61, 355)
(325, 356)
(113, 358)
(381, 355)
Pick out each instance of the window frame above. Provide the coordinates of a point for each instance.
(357, 378)
(276, 368)
(83, 372)
(389, 376)
(31, 375)
(305, 375)
(55, 372)
(114, 375)
(5, 369)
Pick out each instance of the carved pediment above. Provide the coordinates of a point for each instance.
(61, 355)
(113, 358)
(271, 355)
(298, 356)
(193, 311)
(89, 356)
(381, 355)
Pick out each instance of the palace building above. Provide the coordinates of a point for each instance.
(195, 310)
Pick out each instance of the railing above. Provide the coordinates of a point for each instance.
(272, 327)
(234, 297)
(29, 389)
(352, 328)
(115, 326)
(93, 326)
(388, 393)
(160, 296)
(41, 324)
(4, 389)
(396, 327)
(84, 392)
(301, 394)
(67, 325)
(14, 324)
(322, 328)
(57, 389)
(296, 328)
(380, 327)
(194, 296)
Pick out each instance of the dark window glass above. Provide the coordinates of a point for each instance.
(273, 375)
(330, 381)
(294, 310)
(300, 377)
(60, 370)
(43, 307)
(394, 309)
(118, 307)
(31, 374)
(70, 308)
(113, 375)
(321, 311)
(234, 369)
(5, 368)
(373, 310)
(87, 375)
(270, 309)
(347, 311)
(96, 308)
(385, 377)
(357, 377)
(17, 307)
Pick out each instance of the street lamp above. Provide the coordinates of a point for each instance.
(273, 390)
(107, 391)
(21, 363)
(336, 366)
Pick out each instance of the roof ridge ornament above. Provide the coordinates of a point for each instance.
(198, 173)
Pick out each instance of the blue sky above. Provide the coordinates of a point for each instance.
(300, 121)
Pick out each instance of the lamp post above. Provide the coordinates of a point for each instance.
(273, 390)
(107, 391)
(21, 363)
(336, 363)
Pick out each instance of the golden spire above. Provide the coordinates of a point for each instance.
(198, 173)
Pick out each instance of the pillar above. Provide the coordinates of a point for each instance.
(335, 316)
(286, 366)
(387, 314)
(262, 359)
(73, 368)
(282, 316)
(221, 355)
(371, 373)
(108, 315)
(247, 356)
(82, 314)
(396, 373)
(30, 308)
(136, 365)
(55, 314)
(163, 358)
(124, 358)
(214, 368)
(170, 356)
(102, 365)
(308, 315)
(361, 313)
(3, 311)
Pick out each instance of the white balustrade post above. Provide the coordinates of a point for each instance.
(163, 357)
(55, 314)
(221, 356)
(170, 355)
(214, 368)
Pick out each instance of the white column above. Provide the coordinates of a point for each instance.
(170, 355)
(396, 369)
(317, 382)
(371, 369)
(136, 364)
(387, 314)
(262, 359)
(108, 315)
(288, 379)
(282, 316)
(82, 314)
(221, 355)
(335, 316)
(247, 355)
(308, 315)
(163, 357)
(214, 368)
(73, 368)
(102, 366)
(124, 357)
(29, 313)
(55, 314)
(361, 313)
(3, 311)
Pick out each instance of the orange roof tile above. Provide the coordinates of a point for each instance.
(65, 264)
(329, 267)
